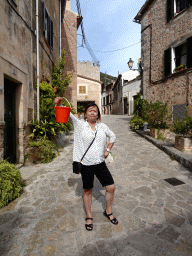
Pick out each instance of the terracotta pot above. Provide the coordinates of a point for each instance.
(78, 114)
(163, 132)
(183, 144)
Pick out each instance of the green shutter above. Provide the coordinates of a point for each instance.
(189, 52)
(167, 62)
(170, 9)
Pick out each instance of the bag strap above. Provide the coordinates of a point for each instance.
(88, 147)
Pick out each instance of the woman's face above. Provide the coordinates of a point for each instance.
(92, 114)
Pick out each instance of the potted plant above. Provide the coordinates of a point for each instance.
(183, 130)
(179, 68)
(80, 110)
(136, 122)
(158, 117)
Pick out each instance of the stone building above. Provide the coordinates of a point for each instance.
(166, 40)
(18, 66)
(70, 24)
(88, 83)
(130, 90)
(119, 103)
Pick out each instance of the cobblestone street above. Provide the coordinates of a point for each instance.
(155, 217)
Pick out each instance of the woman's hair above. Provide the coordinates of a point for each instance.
(92, 105)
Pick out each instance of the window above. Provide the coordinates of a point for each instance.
(48, 30)
(176, 56)
(180, 53)
(176, 6)
(103, 101)
(179, 111)
(180, 5)
(82, 89)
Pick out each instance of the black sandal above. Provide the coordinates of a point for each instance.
(89, 226)
(114, 220)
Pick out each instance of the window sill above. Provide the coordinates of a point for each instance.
(173, 75)
(179, 13)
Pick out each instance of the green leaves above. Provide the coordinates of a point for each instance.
(183, 127)
(156, 113)
(45, 150)
(10, 183)
(136, 121)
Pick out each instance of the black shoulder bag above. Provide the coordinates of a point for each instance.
(77, 165)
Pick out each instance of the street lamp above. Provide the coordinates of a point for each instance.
(130, 63)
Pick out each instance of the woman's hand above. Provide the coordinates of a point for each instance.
(58, 100)
(106, 153)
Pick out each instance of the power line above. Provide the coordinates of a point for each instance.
(118, 49)
(84, 38)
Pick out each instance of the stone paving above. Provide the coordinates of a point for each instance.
(155, 218)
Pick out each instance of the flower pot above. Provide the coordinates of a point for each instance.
(183, 144)
(157, 132)
(78, 114)
(62, 114)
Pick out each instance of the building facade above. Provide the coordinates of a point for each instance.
(18, 66)
(130, 90)
(166, 40)
(88, 83)
(120, 104)
(70, 25)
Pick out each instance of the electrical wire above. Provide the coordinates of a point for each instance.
(118, 49)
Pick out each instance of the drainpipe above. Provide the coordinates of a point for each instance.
(60, 27)
(149, 26)
(37, 37)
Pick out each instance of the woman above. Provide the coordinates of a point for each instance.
(94, 161)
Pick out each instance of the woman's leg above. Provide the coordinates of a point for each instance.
(87, 199)
(109, 196)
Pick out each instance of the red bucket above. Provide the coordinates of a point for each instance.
(62, 114)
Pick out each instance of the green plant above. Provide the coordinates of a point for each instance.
(156, 114)
(80, 109)
(160, 135)
(179, 67)
(138, 104)
(57, 75)
(45, 150)
(43, 129)
(183, 127)
(136, 121)
(10, 183)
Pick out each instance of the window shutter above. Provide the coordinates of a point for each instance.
(51, 34)
(167, 62)
(170, 9)
(189, 52)
(44, 19)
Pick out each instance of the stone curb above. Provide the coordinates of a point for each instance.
(170, 150)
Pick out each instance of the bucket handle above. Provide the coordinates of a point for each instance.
(67, 101)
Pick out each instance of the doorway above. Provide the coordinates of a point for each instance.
(10, 121)
(125, 106)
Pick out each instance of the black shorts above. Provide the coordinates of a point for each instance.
(100, 170)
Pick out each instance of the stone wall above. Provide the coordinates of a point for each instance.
(18, 59)
(69, 37)
(93, 90)
(88, 69)
(157, 36)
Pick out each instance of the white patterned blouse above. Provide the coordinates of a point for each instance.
(83, 136)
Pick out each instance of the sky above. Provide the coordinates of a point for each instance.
(109, 26)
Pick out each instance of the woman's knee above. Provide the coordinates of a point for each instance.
(88, 191)
(110, 188)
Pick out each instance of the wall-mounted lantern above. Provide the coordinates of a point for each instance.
(130, 63)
